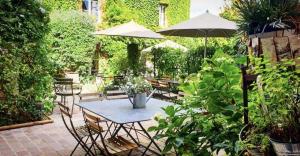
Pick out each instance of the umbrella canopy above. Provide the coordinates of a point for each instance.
(166, 44)
(130, 29)
(205, 25)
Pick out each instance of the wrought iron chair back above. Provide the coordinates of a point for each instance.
(64, 88)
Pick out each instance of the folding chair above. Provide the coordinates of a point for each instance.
(64, 88)
(107, 146)
(80, 133)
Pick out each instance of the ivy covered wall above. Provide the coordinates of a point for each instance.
(62, 4)
(146, 12)
(177, 11)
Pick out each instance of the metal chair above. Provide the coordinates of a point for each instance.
(107, 146)
(80, 133)
(64, 88)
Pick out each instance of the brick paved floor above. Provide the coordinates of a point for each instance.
(42, 140)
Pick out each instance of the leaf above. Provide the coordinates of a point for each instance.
(170, 110)
(167, 148)
(152, 128)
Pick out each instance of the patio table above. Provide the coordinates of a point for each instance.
(120, 111)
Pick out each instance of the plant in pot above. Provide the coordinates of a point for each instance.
(265, 15)
(280, 86)
(137, 88)
(253, 137)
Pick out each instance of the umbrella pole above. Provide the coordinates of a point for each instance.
(205, 44)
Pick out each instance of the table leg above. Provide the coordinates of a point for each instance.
(134, 140)
(151, 139)
(147, 148)
(117, 129)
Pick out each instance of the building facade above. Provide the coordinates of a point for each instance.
(151, 13)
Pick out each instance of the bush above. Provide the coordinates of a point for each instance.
(25, 70)
(209, 119)
(168, 61)
(71, 40)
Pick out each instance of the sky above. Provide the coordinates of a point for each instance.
(199, 7)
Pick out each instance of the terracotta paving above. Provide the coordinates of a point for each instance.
(42, 140)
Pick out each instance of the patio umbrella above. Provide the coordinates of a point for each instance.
(130, 29)
(205, 25)
(166, 44)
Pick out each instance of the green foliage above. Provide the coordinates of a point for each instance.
(209, 119)
(71, 40)
(277, 100)
(133, 56)
(265, 15)
(25, 70)
(146, 11)
(117, 12)
(229, 12)
(177, 11)
(168, 61)
(62, 4)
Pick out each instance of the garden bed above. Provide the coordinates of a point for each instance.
(45, 120)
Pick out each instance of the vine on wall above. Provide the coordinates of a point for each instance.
(147, 11)
(177, 11)
(62, 4)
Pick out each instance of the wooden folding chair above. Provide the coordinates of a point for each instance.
(81, 133)
(107, 146)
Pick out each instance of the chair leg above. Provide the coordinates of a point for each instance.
(74, 149)
(72, 105)
(130, 152)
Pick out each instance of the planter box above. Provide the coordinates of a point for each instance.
(46, 120)
(286, 149)
(278, 33)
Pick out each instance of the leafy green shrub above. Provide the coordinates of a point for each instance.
(25, 70)
(210, 117)
(168, 61)
(71, 41)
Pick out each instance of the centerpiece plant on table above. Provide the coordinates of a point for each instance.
(278, 99)
(137, 88)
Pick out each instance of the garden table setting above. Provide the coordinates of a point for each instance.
(121, 113)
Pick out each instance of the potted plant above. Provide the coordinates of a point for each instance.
(254, 140)
(280, 88)
(264, 15)
(136, 88)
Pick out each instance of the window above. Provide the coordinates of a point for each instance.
(162, 15)
(92, 7)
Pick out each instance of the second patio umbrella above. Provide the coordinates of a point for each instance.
(205, 25)
(130, 29)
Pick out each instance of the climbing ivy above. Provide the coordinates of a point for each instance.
(25, 78)
(177, 11)
(147, 11)
(62, 4)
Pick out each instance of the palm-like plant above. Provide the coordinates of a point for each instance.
(257, 16)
